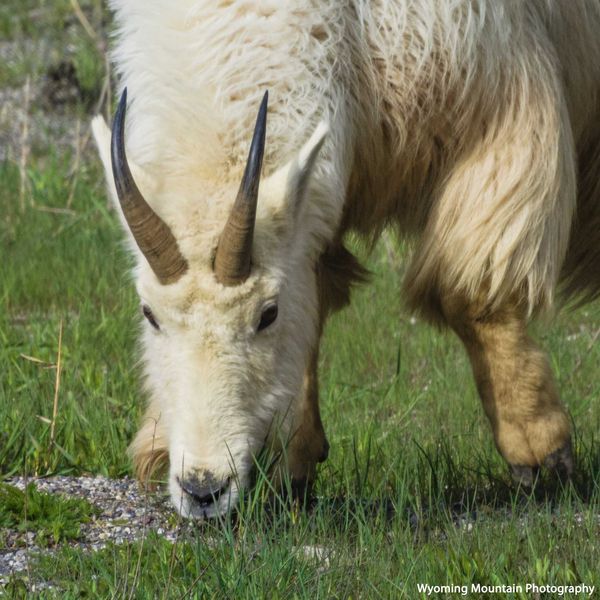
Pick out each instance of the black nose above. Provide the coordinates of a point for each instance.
(204, 492)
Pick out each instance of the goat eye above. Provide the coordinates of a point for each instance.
(269, 315)
(148, 314)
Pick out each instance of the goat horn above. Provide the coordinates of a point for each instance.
(151, 233)
(234, 252)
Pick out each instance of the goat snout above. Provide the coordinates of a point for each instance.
(206, 491)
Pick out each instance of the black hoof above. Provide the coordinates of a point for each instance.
(561, 461)
(524, 475)
(323, 457)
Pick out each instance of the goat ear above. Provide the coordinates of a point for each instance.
(102, 137)
(302, 167)
(101, 133)
(283, 192)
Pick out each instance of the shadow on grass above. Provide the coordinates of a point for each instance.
(436, 494)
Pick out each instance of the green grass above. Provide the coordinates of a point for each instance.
(368, 557)
(56, 276)
(53, 518)
(400, 408)
(414, 490)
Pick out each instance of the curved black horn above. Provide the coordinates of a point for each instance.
(151, 233)
(234, 252)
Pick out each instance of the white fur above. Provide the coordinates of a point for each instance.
(457, 121)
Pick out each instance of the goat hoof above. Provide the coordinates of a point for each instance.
(302, 493)
(561, 461)
(524, 475)
(325, 453)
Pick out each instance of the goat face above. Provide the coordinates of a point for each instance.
(232, 322)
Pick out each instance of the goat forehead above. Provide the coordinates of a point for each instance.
(200, 295)
(198, 239)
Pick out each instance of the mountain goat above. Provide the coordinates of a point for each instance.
(471, 126)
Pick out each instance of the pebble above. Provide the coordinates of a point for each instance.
(127, 513)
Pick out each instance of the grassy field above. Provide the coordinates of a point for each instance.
(413, 492)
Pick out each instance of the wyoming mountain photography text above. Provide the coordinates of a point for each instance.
(529, 589)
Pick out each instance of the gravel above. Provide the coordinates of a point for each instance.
(127, 514)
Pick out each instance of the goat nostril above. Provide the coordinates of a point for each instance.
(204, 495)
